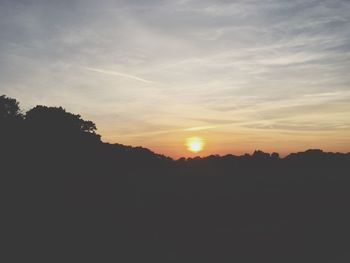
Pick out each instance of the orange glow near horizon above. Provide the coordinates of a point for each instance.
(179, 144)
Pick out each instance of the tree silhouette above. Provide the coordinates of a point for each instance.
(9, 109)
(58, 120)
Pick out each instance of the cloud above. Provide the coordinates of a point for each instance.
(201, 128)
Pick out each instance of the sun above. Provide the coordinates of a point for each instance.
(195, 144)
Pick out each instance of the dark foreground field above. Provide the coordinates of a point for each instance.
(141, 214)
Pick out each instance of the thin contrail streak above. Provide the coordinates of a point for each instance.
(119, 74)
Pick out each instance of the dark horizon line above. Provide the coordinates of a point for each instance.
(257, 151)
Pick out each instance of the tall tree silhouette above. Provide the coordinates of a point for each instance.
(9, 109)
(11, 128)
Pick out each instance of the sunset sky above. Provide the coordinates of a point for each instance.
(240, 75)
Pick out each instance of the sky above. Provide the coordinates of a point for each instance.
(241, 75)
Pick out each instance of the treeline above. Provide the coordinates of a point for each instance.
(52, 139)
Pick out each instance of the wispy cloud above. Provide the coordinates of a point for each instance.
(158, 132)
(201, 128)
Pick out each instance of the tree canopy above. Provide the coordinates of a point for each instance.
(9, 108)
(57, 119)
